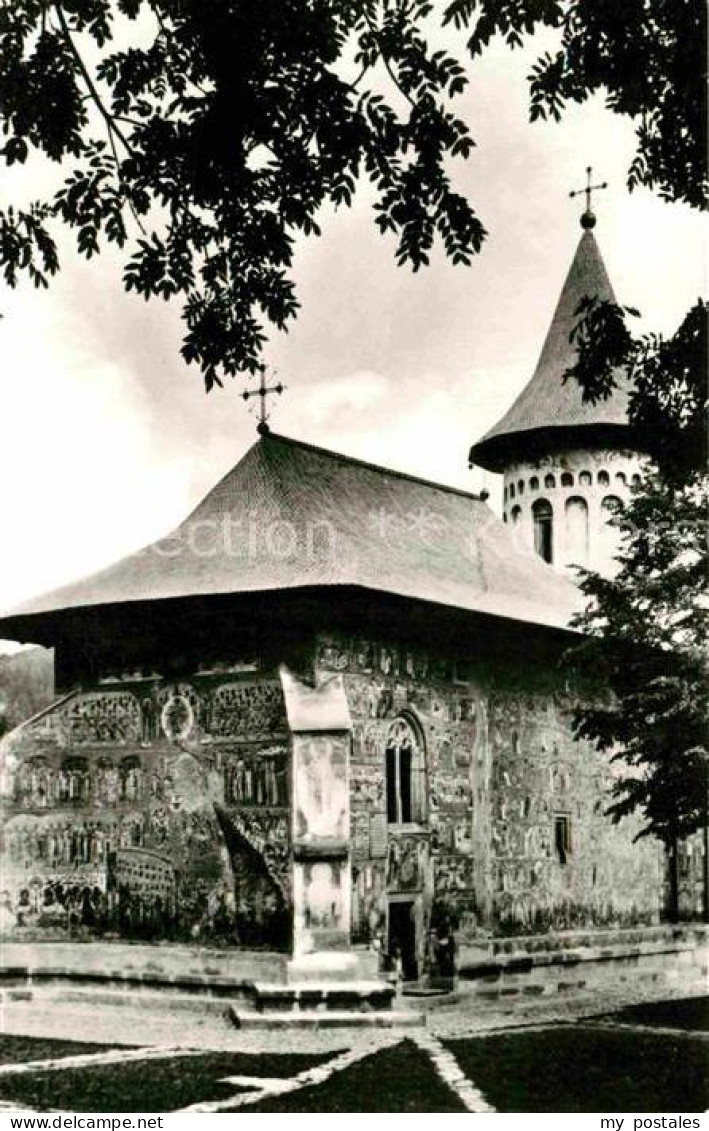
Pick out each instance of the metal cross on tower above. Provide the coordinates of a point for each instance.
(263, 391)
(588, 220)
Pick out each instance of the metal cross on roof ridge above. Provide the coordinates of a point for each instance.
(588, 220)
(262, 392)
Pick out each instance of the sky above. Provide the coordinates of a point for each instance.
(108, 438)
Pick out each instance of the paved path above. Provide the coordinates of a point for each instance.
(463, 1017)
(186, 1035)
(261, 1088)
(451, 1073)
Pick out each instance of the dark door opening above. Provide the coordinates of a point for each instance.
(402, 937)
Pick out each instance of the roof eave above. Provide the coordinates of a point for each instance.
(52, 626)
(495, 452)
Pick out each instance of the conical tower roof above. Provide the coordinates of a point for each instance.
(550, 413)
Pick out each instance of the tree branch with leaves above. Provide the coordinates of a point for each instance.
(213, 140)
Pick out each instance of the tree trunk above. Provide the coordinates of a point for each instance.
(673, 865)
(705, 867)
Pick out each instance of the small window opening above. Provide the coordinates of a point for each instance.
(562, 837)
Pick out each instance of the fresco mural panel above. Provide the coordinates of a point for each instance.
(125, 817)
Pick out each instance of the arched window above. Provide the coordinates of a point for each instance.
(543, 529)
(512, 490)
(567, 479)
(534, 483)
(515, 515)
(620, 478)
(609, 534)
(405, 774)
(603, 478)
(520, 487)
(549, 482)
(585, 479)
(609, 506)
(576, 531)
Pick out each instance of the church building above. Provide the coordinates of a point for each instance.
(331, 713)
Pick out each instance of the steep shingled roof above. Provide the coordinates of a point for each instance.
(290, 515)
(546, 402)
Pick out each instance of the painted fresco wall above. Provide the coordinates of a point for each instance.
(158, 810)
(153, 810)
(557, 861)
(437, 860)
(501, 768)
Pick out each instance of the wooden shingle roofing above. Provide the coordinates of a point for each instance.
(549, 409)
(290, 516)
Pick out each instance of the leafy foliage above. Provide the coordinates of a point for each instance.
(648, 56)
(646, 635)
(666, 379)
(203, 136)
(223, 132)
(647, 627)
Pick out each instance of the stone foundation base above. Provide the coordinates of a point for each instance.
(548, 964)
(333, 966)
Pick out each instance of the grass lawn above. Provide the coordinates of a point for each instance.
(17, 1049)
(151, 1085)
(401, 1078)
(686, 1013)
(586, 1069)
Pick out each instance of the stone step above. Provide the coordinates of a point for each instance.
(412, 990)
(328, 997)
(327, 1019)
(138, 1002)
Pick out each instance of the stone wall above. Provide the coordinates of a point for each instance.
(148, 809)
(500, 768)
(558, 862)
(142, 808)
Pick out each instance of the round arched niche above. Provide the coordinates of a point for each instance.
(577, 532)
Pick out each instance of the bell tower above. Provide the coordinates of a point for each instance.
(565, 461)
